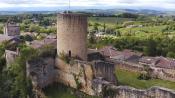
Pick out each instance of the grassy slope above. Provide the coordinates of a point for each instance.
(130, 79)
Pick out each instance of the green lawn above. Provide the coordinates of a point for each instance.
(130, 79)
(61, 91)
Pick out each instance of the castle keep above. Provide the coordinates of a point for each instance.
(72, 35)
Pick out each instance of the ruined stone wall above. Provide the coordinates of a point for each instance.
(161, 73)
(107, 90)
(127, 65)
(72, 35)
(130, 67)
(165, 74)
(10, 57)
(154, 92)
(105, 70)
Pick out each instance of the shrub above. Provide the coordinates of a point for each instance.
(64, 57)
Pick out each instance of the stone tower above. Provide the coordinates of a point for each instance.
(72, 35)
(11, 29)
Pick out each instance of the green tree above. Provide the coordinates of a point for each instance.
(171, 54)
(150, 48)
(96, 26)
(22, 87)
(34, 28)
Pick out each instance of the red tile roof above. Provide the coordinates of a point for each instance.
(160, 62)
(165, 63)
(109, 51)
(5, 38)
(40, 43)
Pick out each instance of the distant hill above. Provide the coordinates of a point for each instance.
(10, 11)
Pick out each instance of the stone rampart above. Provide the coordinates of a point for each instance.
(161, 73)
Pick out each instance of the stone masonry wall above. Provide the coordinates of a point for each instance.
(107, 90)
(72, 35)
(161, 73)
(105, 70)
(10, 56)
(154, 92)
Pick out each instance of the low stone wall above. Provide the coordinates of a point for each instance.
(130, 67)
(165, 74)
(10, 57)
(154, 92)
(108, 90)
(127, 65)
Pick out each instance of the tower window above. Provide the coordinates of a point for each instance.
(69, 53)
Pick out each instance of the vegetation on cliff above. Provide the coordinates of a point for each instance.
(13, 80)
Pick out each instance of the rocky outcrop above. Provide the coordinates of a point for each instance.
(80, 74)
(77, 75)
(41, 71)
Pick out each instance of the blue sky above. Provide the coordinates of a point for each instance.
(165, 4)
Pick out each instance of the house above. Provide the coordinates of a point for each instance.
(36, 44)
(5, 38)
(151, 61)
(167, 63)
(12, 39)
(52, 36)
(109, 51)
(128, 55)
(94, 54)
(160, 62)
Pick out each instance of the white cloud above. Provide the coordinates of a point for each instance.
(99, 3)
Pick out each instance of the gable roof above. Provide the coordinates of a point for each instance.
(109, 51)
(165, 63)
(40, 43)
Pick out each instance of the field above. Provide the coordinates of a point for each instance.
(143, 31)
(109, 20)
(131, 79)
